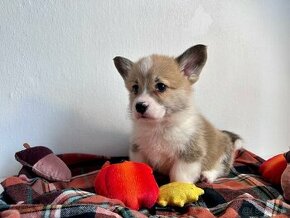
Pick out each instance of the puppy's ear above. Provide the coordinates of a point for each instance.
(192, 61)
(123, 65)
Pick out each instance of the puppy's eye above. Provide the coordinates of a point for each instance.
(135, 89)
(160, 87)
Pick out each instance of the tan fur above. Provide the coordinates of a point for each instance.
(217, 144)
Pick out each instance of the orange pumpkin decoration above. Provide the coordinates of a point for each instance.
(273, 168)
(132, 183)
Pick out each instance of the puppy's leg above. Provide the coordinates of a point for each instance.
(182, 171)
(135, 154)
(221, 168)
(210, 175)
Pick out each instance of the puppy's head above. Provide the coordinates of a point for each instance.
(159, 85)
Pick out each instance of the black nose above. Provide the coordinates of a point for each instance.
(141, 107)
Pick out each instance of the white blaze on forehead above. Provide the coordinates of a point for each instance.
(145, 65)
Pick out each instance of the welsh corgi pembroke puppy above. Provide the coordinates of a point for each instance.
(169, 133)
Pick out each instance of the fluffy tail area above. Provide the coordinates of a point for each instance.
(236, 139)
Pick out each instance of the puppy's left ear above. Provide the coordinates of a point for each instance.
(192, 61)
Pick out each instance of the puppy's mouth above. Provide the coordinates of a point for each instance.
(144, 117)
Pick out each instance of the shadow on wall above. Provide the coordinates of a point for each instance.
(63, 129)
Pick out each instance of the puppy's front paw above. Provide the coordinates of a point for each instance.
(209, 176)
(185, 172)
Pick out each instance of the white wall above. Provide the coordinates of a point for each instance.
(59, 88)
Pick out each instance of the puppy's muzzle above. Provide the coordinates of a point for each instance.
(141, 107)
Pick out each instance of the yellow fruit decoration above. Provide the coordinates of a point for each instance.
(178, 194)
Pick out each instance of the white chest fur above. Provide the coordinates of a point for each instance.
(160, 143)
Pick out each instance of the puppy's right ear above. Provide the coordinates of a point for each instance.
(123, 65)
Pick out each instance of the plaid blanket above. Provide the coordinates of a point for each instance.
(242, 194)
